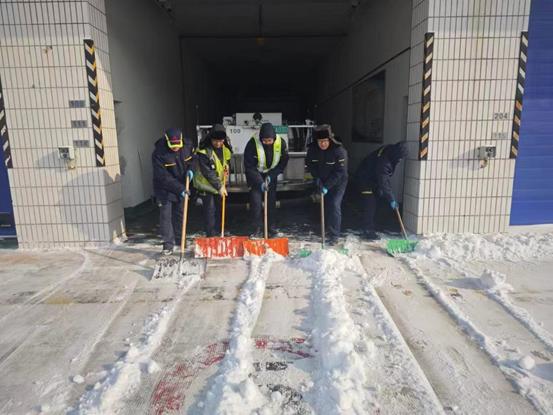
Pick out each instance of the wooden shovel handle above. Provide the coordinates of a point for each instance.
(223, 205)
(184, 217)
(323, 219)
(265, 198)
(401, 223)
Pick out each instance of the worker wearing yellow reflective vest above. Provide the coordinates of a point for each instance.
(214, 154)
(265, 157)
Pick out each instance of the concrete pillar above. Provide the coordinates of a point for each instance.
(56, 82)
(467, 58)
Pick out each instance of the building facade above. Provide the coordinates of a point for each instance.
(468, 85)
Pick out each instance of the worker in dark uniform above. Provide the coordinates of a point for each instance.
(172, 162)
(326, 160)
(373, 181)
(265, 157)
(213, 154)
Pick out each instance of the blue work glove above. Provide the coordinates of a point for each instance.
(394, 205)
(265, 184)
(321, 187)
(184, 193)
(190, 174)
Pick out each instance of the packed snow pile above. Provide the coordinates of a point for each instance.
(494, 281)
(493, 247)
(233, 390)
(339, 385)
(527, 362)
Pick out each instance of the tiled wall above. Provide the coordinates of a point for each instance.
(44, 79)
(474, 67)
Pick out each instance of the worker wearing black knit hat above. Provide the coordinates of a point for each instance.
(172, 161)
(265, 157)
(214, 154)
(326, 160)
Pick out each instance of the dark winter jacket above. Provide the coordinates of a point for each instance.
(330, 165)
(376, 170)
(253, 176)
(170, 169)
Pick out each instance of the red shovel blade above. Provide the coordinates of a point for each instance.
(259, 246)
(220, 247)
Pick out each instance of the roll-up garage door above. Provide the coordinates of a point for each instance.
(533, 186)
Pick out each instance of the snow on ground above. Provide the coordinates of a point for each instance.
(233, 390)
(107, 395)
(319, 335)
(458, 254)
(340, 383)
(493, 247)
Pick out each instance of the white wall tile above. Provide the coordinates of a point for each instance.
(43, 69)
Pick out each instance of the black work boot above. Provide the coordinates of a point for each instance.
(370, 236)
(167, 250)
(257, 233)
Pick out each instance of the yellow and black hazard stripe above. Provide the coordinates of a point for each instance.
(4, 137)
(426, 92)
(94, 98)
(521, 78)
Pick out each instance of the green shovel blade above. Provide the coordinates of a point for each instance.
(400, 246)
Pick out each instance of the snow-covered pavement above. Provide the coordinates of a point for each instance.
(464, 325)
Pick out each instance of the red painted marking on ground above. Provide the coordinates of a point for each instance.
(261, 343)
(169, 393)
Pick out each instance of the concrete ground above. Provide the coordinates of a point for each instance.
(68, 320)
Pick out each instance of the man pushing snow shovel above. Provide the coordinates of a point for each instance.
(172, 165)
(326, 160)
(265, 157)
(373, 180)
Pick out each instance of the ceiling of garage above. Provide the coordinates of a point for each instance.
(263, 31)
(262, 46)
(261, 17)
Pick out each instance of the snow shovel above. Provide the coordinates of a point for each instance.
(220, 247)
(259, 246)
(400, 246)
(167, 266)
(304, 252)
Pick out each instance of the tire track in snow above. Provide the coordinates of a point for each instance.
(498, 293)
(401, 356)
(60, 399)
(537, 392)
(43, 294)
(108, 396)
(232, 391)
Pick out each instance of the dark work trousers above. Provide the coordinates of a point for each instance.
(333, 210)
(256, 204)
(170, 222)
(368, 203)
(212, 214)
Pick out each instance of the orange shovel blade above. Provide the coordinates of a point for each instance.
(217, 247)
(260, 246)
